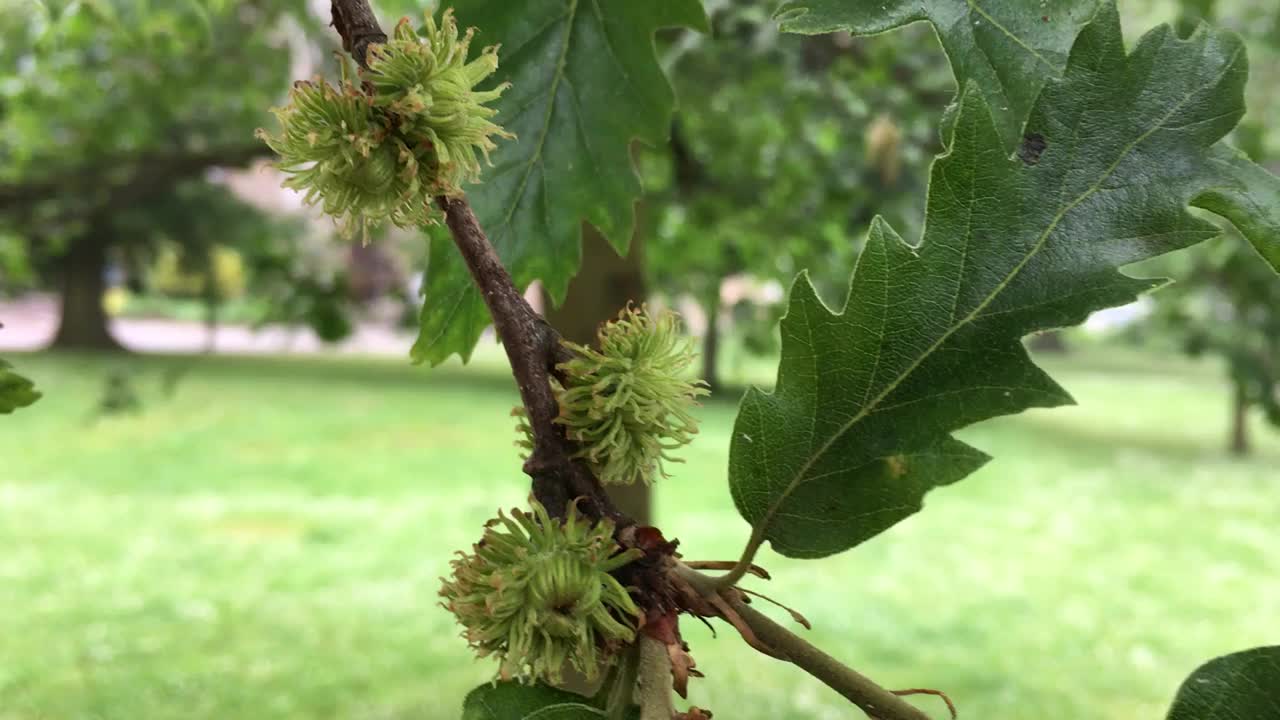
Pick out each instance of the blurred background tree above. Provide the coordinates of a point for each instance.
(1226, 303)
(196, 557)
(106, 106)
(783, 150)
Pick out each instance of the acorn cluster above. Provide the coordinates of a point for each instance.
(411, 128)
(630, 403)
(537, 593)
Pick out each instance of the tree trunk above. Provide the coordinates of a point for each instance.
(604, 285)
(84, 323)
(371, 272)
(212, 304)
(1239, 421)
(711, 340)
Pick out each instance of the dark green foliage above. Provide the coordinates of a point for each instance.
(114, 93)
(110, 105)
(858, 427)
(585, 84)
(784, 149)
(515, 701)
(1009, 49)
(1248, 196)
(1240, 686)
(300, 296)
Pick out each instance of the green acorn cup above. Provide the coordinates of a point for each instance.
(537, 593)
(629, 403)
(382, 150)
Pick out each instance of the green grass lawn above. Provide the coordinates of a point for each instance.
(266, 544)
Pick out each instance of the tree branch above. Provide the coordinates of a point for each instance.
(656, 683)
(874, 700)
(533, 347)
(775, 640)
(355, 22)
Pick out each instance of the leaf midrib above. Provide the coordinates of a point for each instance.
(870, 407)
(571, 15)
(1008, 33)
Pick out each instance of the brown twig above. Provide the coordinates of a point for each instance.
(532, 346)
(857, 688)
(781, 643)
(355, 22)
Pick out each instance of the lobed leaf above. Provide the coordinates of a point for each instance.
(584, 83)
(858, 427)
(1010, 49)
(1240, 686)
(1249, 197)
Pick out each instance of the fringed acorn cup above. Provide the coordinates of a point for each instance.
(382, 149)
(537, 593)
(629, 403)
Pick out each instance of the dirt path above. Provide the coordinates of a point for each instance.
(30, 322)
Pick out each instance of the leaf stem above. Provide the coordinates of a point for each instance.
(533, 348)
(745, 563)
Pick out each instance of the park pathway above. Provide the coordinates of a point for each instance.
(30, 322)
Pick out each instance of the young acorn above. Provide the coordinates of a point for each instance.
(538, 593)
(381, 150)
(628, 403)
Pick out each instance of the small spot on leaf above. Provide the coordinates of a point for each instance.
(897, 465)
(1033, 145)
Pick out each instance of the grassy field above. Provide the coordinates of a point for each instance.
(266, 543)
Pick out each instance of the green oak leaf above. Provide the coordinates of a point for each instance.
(15, 390)
(1009, 48)
(1240, 686)
(858, 427)
(585, 82)
(1249, 197)
(517, 701)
